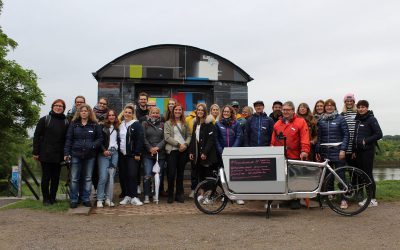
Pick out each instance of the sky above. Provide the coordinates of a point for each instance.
(295, 50)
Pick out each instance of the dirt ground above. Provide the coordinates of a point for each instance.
(238, 228)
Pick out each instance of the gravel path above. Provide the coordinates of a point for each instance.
(376, 228)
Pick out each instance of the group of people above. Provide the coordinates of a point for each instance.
(100, 142)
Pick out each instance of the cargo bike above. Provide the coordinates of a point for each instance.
(264, 173)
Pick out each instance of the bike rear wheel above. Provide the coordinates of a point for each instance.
(209, 197)
(359, 193)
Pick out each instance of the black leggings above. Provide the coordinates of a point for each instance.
(50, 176)
(129, 173)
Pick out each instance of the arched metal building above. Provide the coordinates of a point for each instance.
(188, 74)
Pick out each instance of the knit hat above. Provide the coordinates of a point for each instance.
(349, 96)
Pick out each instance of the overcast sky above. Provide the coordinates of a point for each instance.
(295, 50)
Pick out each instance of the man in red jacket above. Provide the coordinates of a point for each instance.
(295, 130)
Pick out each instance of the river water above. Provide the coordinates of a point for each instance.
(381, 174)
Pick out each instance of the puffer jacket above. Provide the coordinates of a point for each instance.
(332, 128)
(154, 137)
(82, 141)
(259, 129)
(227, 136)
(297, 136)
(367, 129)
(206, 143)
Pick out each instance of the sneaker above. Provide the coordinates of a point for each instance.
(125, 201)
(240, 202)
(139, 191)
(109, 203)
(146, 199)
(343, 204)
(373, 203)
(206, 201)
(361, 203)
(191, 195)
(135, 201)
(200, 198)
(99, 204)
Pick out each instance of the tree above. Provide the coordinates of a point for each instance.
(20, 98)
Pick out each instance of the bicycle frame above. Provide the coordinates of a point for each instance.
(287, 195)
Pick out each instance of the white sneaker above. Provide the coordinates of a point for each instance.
(361, 203)
(109, 203)
(139, 191)
(373, 203)
(200, 198)
(99, 203)
(206, 201)
(125, 201)
(146, 199)
(191, 195)
(136, 202)
(240, 202)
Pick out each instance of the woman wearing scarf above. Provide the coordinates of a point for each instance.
(154, 144)
(332, 128)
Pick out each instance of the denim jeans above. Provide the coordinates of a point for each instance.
(148, 172)
(107, 167)
(81, 169)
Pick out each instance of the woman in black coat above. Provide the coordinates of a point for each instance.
(367, 133)
(48, 148)
(202, 149)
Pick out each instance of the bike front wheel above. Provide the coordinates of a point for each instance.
(358, 196)
(209, 197)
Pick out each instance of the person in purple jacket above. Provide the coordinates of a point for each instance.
(228, 133)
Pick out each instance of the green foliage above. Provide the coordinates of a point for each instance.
(388, 190)
(389, 150)
(20, 98)
(61, 206)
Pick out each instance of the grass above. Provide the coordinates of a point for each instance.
(60, 206)
(388, 190)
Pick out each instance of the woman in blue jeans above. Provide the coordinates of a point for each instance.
(83, 139)
(154, 145)
(108, 159)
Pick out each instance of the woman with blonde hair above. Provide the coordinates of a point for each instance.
(215, 113)
(131, 133)
(83, 139)
(154, 151)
